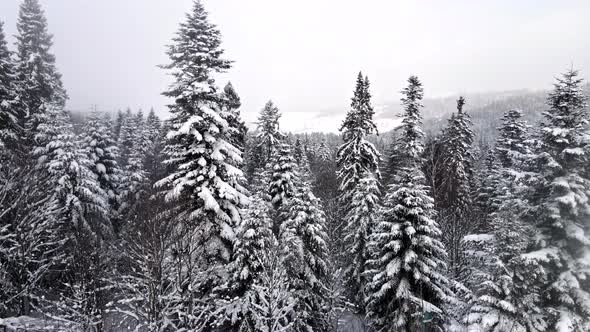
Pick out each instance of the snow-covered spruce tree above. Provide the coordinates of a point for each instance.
(323, 152)
(357, 159)
(282, 184)
(254, 238)
(83, 201)
(98, 144)
(361, 218)
(253, 242)
(458, 158)
(298, 151)
(10, 129)
(303, 238)
(83, 215)
(37, 77)
(486, 198)
(153, 132)
(511, 145)
(506, 286)
(563, 245)
(136, 182)
(269, 136)
(406, 262)
(455, 206)
(126, 138)
(118, 123)
(204, 183)
(357, 156)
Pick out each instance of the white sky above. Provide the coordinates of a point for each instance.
(305, 54)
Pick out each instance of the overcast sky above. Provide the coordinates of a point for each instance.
(305, 54)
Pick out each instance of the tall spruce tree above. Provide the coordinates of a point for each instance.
(304, 241)
(269, 135)
(407, 258)
(357, 155)
(9, 115)
(563, 246)
(126, 137)
(358, 160)
(204, 183)
(506, 286)
(454, 205)
(38, 79)
(284, 168)
(98, 145)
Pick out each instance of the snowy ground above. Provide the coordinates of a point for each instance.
(31, 324)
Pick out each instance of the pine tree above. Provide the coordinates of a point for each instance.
(506, 286)
(9, 115)
(118, 124)
(38, 80)
(98, 144)
(323, 152)
(83, 201)
(361, 218)
(358, 160)
(455, 204)
(407, 257)
(204, 183)
(83, 213)
(154, 132)
(254, 239)
(126, 138)
(303, 238)
(357, 155)
(254, 242)
(282, 186)
(269, 136)
(563, 245)
(458, 138)
(136, 178)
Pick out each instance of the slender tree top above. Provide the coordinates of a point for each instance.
(460, 104)
(410, 141)
(567, 102)
(8, 114)
(564, 128)
(32, 31)
(5, 54)
(232, 97)
(195, 54)
(359, 119)
(36, 63)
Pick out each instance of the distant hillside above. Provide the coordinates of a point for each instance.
(486, 110)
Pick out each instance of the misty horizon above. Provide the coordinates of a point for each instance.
(108, 51)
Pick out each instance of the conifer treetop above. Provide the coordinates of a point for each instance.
(35, 62)
(195, 55)
(359, 120)
(411, 140)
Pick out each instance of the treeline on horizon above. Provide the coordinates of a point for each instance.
(198, 224)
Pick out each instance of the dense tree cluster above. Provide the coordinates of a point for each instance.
(198, 224)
